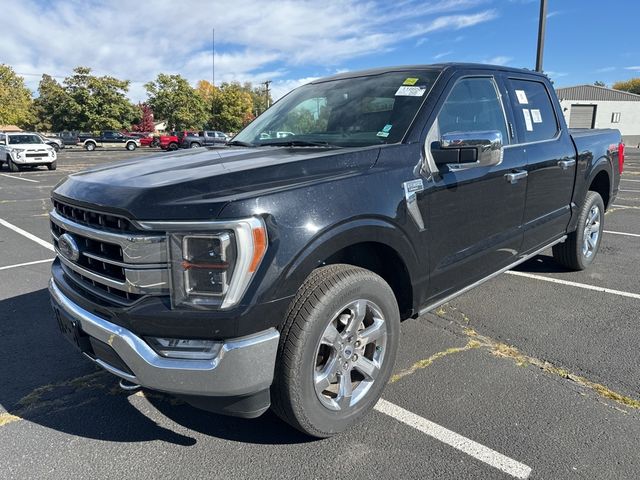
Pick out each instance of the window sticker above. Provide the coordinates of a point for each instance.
(387, 127)
(522, 97)
(536, 116)
(527, 119)
(410, 81)
(411, 91)
(382, 134)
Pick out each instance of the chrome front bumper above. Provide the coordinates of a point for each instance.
(243, 366)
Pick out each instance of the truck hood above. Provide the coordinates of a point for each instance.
(26, 147)
(196, 184)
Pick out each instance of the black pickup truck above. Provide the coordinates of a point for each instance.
(109, 138)
(275, 272)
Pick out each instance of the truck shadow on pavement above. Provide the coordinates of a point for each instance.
(541, 264)
(45, 381)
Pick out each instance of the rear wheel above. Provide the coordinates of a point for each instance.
(195, 145)
(581, 246)
(90, 147)
(337, 350)
(173, 146)
(131, 146)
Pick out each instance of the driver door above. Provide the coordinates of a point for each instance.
(474, 211)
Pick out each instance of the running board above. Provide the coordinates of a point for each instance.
(486, 279)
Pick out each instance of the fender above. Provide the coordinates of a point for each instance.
(351, 232)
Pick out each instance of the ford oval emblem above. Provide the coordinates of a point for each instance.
(68, 247)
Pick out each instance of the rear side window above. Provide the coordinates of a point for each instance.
(472, 106)
(533, 110)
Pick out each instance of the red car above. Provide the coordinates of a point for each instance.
(173, 140)
(146, 139)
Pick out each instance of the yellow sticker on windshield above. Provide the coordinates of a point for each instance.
(410, 81)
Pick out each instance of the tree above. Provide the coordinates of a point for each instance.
(48, 107)
(259, 97)
(599, 83)
(97, 103)
(232, 107)
(174, 100)
(15, 99)
(146, 123)
(631, 86)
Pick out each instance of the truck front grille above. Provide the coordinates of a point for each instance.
(121, 266)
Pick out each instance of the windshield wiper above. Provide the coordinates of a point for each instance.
(240, 143)
(298, 143)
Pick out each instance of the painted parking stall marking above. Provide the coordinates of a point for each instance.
(26, 264)
(575, 284)
(455, 440)
(26, 234)
(19, 178)
(622, 233)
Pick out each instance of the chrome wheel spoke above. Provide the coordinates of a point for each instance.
(366, 367)
(359, 310)
(591, 242)
(345, 389)
(330, 336)
(324, 378)
(372, 332)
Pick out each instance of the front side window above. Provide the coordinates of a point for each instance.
(533, 110)
(360, 111)
(472, 106)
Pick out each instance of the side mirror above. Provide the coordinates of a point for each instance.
(462, 150)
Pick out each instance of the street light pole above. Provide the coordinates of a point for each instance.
(542, 22)
(266, 86)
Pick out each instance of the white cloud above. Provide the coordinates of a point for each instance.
(441, 55)
(498, 60)
(605, 69)
(634, 68)
(254, 41)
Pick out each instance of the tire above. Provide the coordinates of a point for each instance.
(195, 145)
(173, 147)
(90, 146)
(12, 166)
(581, 246)
(131, 146)
(319, 346)
(53, 165)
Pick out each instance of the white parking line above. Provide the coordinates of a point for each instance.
(629, 190)
(575, 284)
(26, 234)
(629, 180)
(19, 178)
(26, 264)
(455, 440)
(622, 233)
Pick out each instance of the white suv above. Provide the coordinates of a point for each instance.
(25, 150)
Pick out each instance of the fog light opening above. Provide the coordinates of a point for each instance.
(188, 349)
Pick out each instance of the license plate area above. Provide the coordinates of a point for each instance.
(71, 330)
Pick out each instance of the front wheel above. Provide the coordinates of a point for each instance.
(12, 165)
(337, 350)
(53, 165)
(90, 147)
(581, 247)
(195, 145)
(131, 146)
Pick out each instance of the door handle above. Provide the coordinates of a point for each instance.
(564, 164)
(516, 175)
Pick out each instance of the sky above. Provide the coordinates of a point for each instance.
(292, 42)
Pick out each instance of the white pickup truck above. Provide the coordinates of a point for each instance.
(20, 150)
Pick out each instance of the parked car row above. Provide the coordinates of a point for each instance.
(190, 139)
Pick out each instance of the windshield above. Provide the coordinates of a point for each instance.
(24, 139)
(361, 111)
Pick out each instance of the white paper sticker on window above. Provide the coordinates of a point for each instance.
(527, 119)
(522, 97)
(411, 91)
(535, 115)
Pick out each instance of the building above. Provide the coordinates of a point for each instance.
(9, 128)
(590, 106)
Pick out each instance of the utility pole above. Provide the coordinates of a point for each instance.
(213, 73)
(542, 22)
(266, 88)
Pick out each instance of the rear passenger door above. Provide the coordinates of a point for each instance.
(551, 160)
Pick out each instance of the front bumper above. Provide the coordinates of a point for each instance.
(244, 365)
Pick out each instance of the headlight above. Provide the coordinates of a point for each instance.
(215, 268)
(18, 153)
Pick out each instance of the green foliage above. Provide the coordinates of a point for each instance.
(232, 107)
(631, 86)
(48, 107)
(174, 100)
(15, 99)
(599, 83)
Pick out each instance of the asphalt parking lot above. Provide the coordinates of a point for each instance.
(535, 374)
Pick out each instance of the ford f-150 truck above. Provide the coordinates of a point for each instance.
(275, 272)
(110, 138)
(24, 149)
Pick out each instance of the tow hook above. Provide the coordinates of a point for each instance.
(128, 386)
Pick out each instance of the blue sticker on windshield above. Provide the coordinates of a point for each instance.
(382, 134)
(387, 127)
